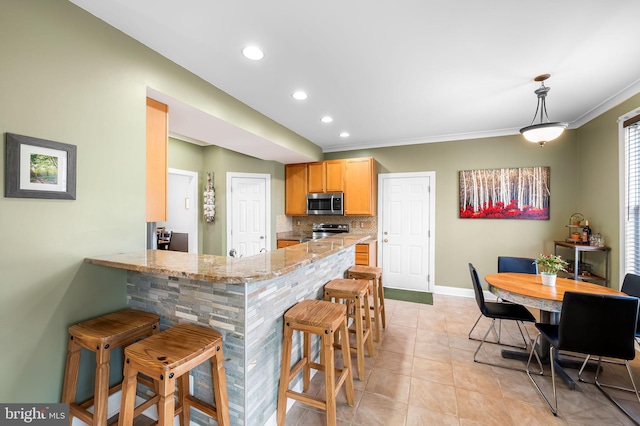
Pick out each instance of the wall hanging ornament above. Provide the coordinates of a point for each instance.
(209, 200)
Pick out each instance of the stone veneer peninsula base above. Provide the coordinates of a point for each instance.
(244, 300)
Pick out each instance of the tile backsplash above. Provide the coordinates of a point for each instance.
(357, 224)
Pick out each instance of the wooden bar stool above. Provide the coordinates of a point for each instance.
(101, 335)
(354, 293)
(373, 274)
(324, 319)
(168, 357)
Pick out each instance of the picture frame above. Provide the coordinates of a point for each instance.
(39, 168)
(511, 193)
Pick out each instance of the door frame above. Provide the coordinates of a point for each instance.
(267, 206)
(193, 205)
(432, 218)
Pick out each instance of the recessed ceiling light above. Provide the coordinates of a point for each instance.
(326, 119)
(344, 135)
(253, 52)
(299, 95)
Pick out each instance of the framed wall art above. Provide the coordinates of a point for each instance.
(515, 193)
(39, 168)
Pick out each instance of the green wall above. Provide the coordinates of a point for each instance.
(212, 238)
(585, 178)
(599, 176)
(221, 161)
(69, 77)
(480, 241)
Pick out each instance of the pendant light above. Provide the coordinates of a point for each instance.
(545, 130)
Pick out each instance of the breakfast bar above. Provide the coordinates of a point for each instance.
(244, 299)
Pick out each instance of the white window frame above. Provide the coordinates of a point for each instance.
(622, 186)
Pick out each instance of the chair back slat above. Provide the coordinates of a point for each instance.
(631, 286)
(599, 325)
(523, 265)
(477, 288)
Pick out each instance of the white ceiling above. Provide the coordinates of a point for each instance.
(401, 72)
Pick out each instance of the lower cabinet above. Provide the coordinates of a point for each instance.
(366, 254)
(286, 243)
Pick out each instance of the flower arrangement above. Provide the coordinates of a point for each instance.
(550, 263)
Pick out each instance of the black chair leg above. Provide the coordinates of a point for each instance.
(602, 386)
(553, 408)
(475, 359)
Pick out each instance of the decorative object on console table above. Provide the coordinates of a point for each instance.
(579, 268)
(586, 233)
(575, 228)
(38, 168)
(209, 200)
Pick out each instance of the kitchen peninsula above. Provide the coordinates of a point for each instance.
(242, 298)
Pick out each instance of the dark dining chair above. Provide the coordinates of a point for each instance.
(500, 311)
(179, 241)
(593, 325)
(522, 265)
(631, 286)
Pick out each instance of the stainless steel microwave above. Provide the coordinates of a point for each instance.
(326, 203)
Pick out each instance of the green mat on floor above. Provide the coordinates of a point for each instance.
(408, 296)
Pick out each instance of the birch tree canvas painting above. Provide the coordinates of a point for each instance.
(518, 193)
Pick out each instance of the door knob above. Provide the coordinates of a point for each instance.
(385, 240)
(385, 233)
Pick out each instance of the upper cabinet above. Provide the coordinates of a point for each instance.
(157, 166)
(356, 177)
(326, 176)
(295, 188)
(360, 187)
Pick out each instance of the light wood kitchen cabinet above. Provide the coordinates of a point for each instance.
(360, 187)
(325, 176)
(366, 253)
(295, 189)
(157, 165)
(287, 243)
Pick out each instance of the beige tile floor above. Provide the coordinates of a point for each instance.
(423, 374)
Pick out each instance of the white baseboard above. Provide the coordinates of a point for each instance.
(461, 292)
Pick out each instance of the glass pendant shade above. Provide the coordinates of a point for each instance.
(545, 130)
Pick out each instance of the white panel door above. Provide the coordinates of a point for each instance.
(406, 207)
(249, 229)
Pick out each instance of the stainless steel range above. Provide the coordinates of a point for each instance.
(321, 230)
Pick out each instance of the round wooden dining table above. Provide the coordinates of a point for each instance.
(528, 290)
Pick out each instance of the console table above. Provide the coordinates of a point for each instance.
(578, 256)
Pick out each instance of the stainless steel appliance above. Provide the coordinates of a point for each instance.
(326, 203)
(321, 230)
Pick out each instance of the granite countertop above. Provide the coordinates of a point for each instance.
(229, 270)
(293, 235)
(300, 235)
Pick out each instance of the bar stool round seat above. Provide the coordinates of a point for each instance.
(167, 358)
(101, 335)
(323, 319)
(374, 274)
(354, 293)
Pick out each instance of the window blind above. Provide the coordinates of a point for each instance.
(632, 198)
